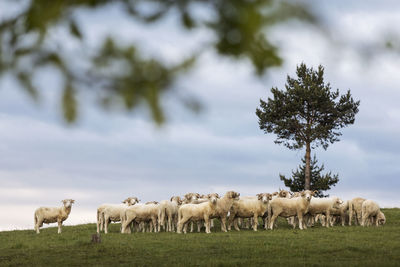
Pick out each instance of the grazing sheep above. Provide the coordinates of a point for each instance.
(324, 206)
(197, 212)
(223, 207)
(249, 208)
(140, 214)
(52, 214)
(371, 214)
(288, 207)
(355, 206)
(169, 209)
(119, 207)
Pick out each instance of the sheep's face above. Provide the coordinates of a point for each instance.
(233, 195)
(337, 202)
(176, 199)
(264, 197)
(68, 202)
(192, 196)
(381, 218)
(307, 194)
(213, 198)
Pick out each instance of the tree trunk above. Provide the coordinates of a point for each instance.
(308, 159)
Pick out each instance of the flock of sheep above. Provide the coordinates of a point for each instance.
(232, 209)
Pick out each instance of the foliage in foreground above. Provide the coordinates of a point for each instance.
(335, 246)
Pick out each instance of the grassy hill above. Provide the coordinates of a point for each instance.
(317, 246)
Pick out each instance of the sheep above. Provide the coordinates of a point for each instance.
(288, 207)
(355, 206)
(197, 212)
(324, 206)
(100, 211)
(115, 213)
(341, 212)
(52, 214)
(139, 214)
(249, 208)
(169, 209)
(223, 207)
(194, 198)
(281, 194)
(371, 213)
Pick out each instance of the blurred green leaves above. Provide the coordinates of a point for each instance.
(120, 75)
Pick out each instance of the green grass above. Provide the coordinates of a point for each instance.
(317, 246)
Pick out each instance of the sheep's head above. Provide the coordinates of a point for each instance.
(233, 195)
(381, 218)
(176, 199)
(68, 202)
(284, 194)
(337, 202)
(130, 201)
(192, 196)
(264, 197)
(307, 194)
(213, 198)
(275, 193)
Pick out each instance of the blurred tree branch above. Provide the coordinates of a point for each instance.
(121, 73)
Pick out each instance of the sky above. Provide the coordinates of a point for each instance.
(108, 156)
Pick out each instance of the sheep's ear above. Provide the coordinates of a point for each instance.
(72, 201)
(259, 196)
(302, 193)
(171, 199)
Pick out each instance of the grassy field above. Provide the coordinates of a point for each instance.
(317, 246)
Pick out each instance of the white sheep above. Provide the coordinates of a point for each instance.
(52, 214)
(147, 213)
(223, 207)
(197, 212)
(288, 207)
(324, 206)
(114, 211)
(168, 209)
(342, 212)
(355, 207)
(371, 214)
(249, 208)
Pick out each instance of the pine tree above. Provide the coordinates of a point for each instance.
(319, 182)
(307, 113)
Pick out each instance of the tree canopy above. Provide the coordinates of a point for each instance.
(28, 44)
(307, 113)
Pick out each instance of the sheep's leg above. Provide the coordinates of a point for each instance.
(191, 227)
(255, 222)
(207, 223)
(199, 225)
(154, 221)
(59, 226)
(106, 222)
(212, 223)
(328, 219)
(223, 223)
(230, 220)
(301, 220)
(38, 225)
(182, 223)
(272, 221)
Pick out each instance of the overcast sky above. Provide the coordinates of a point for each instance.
(106, 157)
